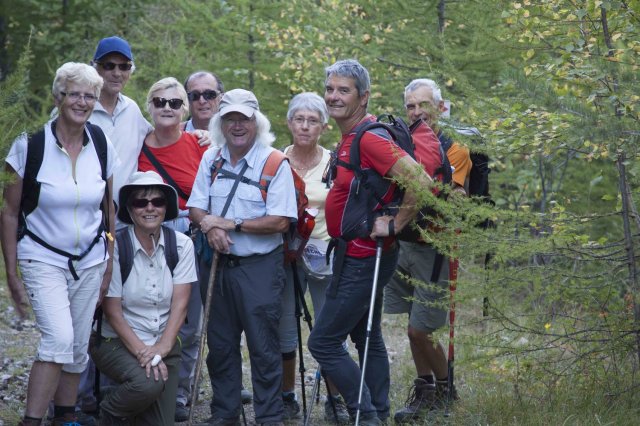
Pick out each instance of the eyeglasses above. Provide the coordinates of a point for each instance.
(173, 103)
(109, 66)
(241, 121)
(312, 122)
(207, 94)
(141, 203)
(76, 96)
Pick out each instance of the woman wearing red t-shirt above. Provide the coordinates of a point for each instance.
(169, 148)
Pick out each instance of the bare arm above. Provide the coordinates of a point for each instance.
(9, 239)
(405, 168)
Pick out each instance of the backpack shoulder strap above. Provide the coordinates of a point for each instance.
(216, 166)
(100, 144)
(30, 186)
(125, 253)
(445, 141)
(269, 171)
(170, 248)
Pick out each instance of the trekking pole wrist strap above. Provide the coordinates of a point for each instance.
(392, 228)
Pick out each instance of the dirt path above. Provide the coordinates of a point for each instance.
(18, 340)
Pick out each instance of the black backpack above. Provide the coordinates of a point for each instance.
(125, 250)
(368, 188)
(31, 190)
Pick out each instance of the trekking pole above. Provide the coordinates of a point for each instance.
(203, 335)
(453, 278)
(374, 289)
(297, 292)
(315, 392)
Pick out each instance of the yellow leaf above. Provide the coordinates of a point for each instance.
(616, 36)
(547, 326)
(530, 53)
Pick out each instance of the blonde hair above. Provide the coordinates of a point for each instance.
(164, 84)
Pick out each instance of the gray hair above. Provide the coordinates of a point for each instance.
(308, 101)
(425, 82)
(164, 84)
(75, 72)
(263, 135)
(352, 69)
(198, 74)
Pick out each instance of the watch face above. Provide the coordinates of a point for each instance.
(238, 221)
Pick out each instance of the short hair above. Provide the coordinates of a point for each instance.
(308, 101)
(202, 74)
(75, 72)
(263, 134)
(352, 69)
(164, 84)
(424, 82)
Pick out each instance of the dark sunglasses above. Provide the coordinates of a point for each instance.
(173, 103)
(108, 66)
(207, 94)
(141, 203)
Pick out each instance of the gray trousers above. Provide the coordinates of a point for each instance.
(248, 297)
(145, 401)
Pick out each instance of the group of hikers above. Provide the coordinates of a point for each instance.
(107, 210)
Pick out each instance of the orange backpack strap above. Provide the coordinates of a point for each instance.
(269, 171)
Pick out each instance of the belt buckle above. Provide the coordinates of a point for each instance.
(232, 263)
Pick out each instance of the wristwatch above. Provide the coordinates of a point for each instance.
(238, 223)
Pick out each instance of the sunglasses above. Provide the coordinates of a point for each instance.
(207, 94)
(141, 203)
(108, 66)
(173, 103)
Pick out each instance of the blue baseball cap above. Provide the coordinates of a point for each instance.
(113, 45)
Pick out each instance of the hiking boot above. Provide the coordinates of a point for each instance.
(220, 422)
(421, 399)
(108, 419)
(442, 394)
(182, 413)
(291, 409)
(246, 396)
(342, 413)
(370, 419)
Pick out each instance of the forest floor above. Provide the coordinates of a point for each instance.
(19, 338)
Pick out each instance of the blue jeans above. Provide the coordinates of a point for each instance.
(345, 313)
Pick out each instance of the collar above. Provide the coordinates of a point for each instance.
(85, 138)
(138, 247)
(250, 157)
(121, 104)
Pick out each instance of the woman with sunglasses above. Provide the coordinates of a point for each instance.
(168, 150)
(62, 249)
(138, 347)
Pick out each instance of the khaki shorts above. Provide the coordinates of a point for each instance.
(426, 303)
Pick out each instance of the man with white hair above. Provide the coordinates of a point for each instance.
(245, 228)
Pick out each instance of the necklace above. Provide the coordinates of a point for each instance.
(307, 165)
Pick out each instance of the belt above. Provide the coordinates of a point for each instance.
(231, 260)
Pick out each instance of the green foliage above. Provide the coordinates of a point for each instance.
(551, 84)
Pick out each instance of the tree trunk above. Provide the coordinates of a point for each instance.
(628, 240)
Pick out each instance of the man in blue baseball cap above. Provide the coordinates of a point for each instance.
(122, 121)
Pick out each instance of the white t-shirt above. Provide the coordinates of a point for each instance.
(68, 213)
(127, 129)
(146, 295)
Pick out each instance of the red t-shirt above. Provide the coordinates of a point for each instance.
(377, 153)
(180, 159)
